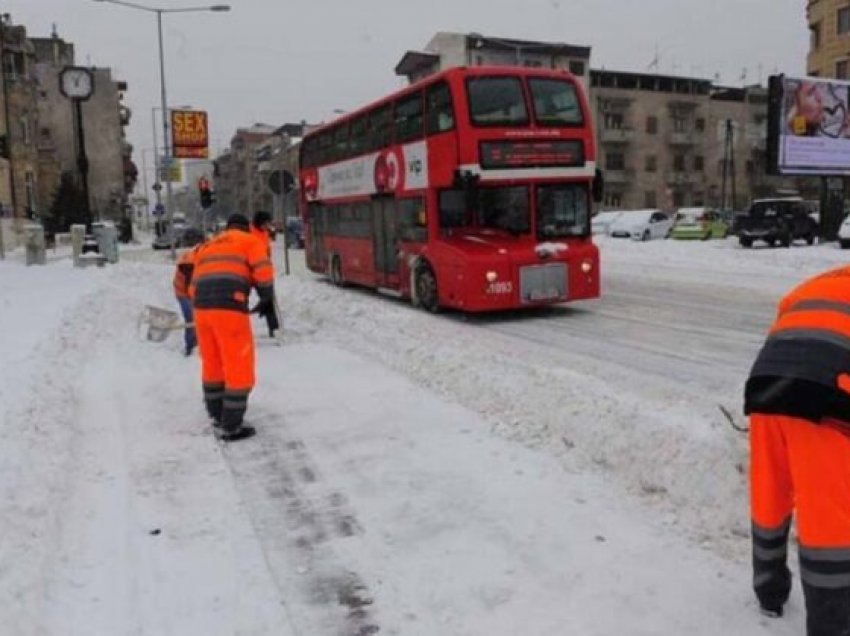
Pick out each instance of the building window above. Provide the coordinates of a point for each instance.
(652, 125)
(649, 199)
(699, 124)
(25, 130)
(613, 200)
(815, 33)
(30, 191)
(678, 163)
(577, 67)
(615, 161)
(613, 121)
(680, 124)
(699, 163)
(699, 199)
(841, 67)
(651, 163)
(843, 20)
(678, 198)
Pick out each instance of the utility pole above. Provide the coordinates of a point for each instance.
(728, 167)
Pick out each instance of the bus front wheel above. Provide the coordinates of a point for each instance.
(426, 288)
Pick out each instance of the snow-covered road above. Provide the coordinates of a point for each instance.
(546, 473)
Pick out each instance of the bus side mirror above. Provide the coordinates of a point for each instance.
(598, 187)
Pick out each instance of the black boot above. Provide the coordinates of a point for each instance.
(243, 432)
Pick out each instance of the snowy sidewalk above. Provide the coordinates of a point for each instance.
(365, 503)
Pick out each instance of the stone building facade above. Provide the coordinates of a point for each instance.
(829, 29)
(112, 174)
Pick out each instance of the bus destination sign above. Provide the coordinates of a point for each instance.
(532, 154)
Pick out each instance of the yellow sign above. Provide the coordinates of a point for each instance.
(189, 134)
(171, 170)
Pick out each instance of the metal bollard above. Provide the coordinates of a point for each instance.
(35, 244)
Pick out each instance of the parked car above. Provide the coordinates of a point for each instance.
(844, 233)
(601, 223)
(699, 223)
(642, 225)
(184, 236)
(294, 233)
(781, 220)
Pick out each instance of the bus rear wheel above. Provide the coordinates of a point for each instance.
(426, 289)
(336, 272)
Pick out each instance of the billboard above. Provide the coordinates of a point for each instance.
(809, 126)
(189, 134)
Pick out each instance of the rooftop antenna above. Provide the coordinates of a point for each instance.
(743, 75)
(55, 33)
(653, 65)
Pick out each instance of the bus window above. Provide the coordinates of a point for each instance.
(496, 101)
(440, 112)
(380, 127)
(340, 150)
(324, 151)
(453, 209)
(555, 102)
(359, 131)
(408, 118)
(412, 220)
(562, 211)
(504, 208)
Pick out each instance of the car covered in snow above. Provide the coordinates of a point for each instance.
(844, 233)
(642, 225)
(601, 223)
(699, 224)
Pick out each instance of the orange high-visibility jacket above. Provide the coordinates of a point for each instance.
(262, 236)
(803, 369)
(183, 272)
(227, 267)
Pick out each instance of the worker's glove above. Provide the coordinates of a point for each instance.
(772, 612)
(262, 308)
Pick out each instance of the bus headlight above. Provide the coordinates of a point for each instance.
(491, 277)
(587, 266)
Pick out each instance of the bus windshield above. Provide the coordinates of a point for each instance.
(555, 102)
(496, 101)
(500, 208)
(562, 211)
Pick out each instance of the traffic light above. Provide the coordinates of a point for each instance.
(207, 195)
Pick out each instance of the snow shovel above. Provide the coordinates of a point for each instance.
(160, 322)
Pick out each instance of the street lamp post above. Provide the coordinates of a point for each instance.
(164, 104)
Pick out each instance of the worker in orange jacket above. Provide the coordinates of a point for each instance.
(182, 280)
(226, 269)
(798, 399)
(261, 228)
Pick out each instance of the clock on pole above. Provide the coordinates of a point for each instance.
(76, 82)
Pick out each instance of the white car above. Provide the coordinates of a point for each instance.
(642, 225)
(844, 233)
(601, 223)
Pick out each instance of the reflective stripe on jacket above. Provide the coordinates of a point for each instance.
(803, 369)
(183, 273)
(227, 267)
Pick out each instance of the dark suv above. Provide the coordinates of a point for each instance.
(781, 221)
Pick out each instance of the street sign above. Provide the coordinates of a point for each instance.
(281, 182)
(158, 209)
(189, 134)
(156, 186)
(171, 169)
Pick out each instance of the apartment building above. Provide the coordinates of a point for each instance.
(829, 29)
(673, 142)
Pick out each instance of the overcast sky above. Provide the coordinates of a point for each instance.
(278, 61)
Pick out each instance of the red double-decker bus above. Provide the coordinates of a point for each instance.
(470, 189)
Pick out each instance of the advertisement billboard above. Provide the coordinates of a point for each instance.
(809, 126)
(189, 134)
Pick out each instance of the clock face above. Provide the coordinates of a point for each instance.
(77, 83)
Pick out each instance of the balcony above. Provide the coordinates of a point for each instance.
(616, 135)
(683, 178)
(682, 138)
(619, 177)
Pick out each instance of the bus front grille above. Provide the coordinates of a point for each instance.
(539, 283)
